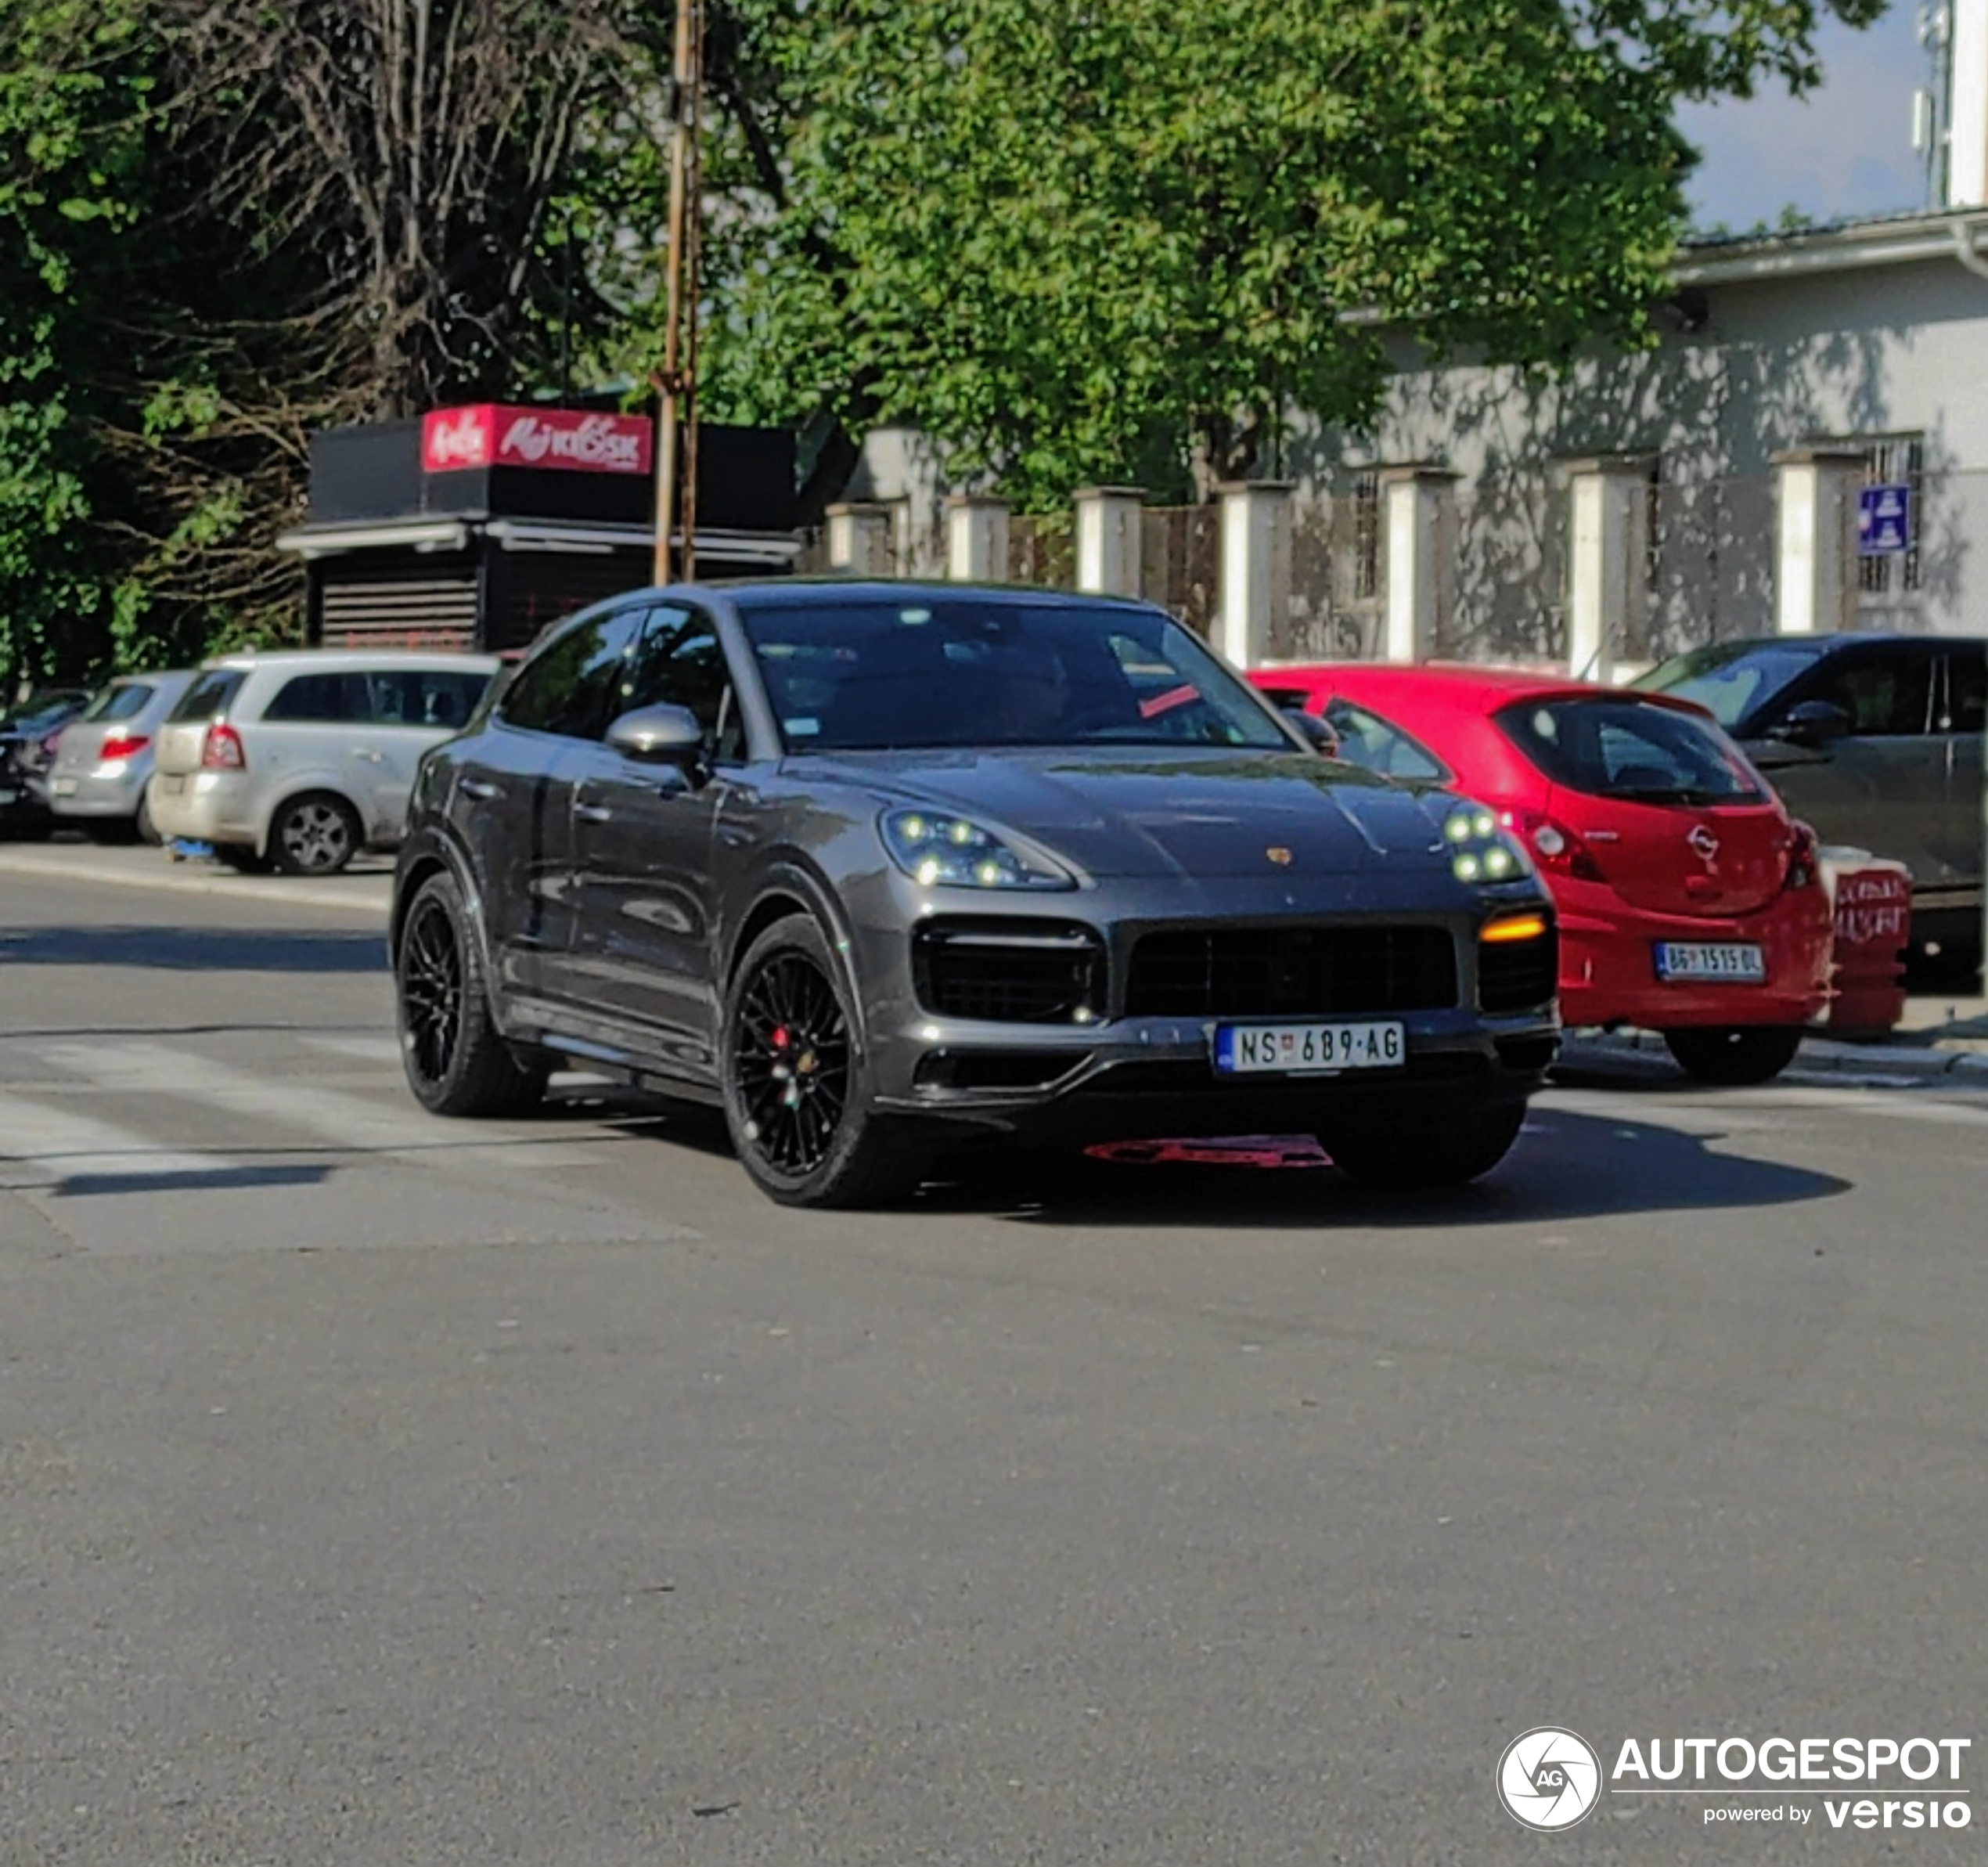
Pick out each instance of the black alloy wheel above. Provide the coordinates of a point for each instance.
(1734, 1055)
(791, 1054)
(796, 1096)
(314, 835)
(457, 1062)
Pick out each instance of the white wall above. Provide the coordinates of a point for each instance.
(1881, 350)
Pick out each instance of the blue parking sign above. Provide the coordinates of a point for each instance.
(1884, 521)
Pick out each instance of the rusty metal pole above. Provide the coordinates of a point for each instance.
(692, 288)
(668, 381)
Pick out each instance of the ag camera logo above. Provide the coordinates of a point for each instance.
(1549, 1779)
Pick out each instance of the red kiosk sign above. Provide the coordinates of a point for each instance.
(570, 440)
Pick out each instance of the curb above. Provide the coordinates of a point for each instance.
(283, 892)
(1914, 1063)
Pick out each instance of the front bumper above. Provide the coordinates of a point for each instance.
(1120, 1075)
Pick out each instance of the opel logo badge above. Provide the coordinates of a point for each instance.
(1704, 842)
(1278, 855)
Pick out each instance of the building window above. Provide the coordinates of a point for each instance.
(1894, 460)
(1367, 536)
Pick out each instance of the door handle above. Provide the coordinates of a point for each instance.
(593, 813)
(370, 756)
(478, 788)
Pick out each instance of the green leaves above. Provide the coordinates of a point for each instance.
(1082, 240)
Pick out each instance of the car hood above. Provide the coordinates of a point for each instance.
(1149, 812)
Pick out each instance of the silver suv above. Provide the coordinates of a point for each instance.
(298, 759)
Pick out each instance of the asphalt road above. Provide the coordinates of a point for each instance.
(383, 1491)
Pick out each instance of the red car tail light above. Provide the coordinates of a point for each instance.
(222, 749)
(1803, 870)
(121, 745)
(1557, 848)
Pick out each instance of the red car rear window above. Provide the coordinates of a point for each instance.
(1629, 749)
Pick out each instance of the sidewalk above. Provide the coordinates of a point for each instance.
(1943, 1035)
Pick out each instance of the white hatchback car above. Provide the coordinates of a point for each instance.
(297, 760)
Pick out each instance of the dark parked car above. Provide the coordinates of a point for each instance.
(28, 734)
(877, 867)
(1876, 741)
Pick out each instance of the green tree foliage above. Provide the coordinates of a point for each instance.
(74, 92)
(224, 226)
(1113, 239)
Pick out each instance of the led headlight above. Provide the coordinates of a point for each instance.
(939, 851)
(1479, 850)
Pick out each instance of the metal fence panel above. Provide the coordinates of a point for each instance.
(1180, 562)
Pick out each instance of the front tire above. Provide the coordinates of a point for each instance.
(1734, 1055)
(1415, 1160)
(315, 834)
(457, 1062)
(796, 1080)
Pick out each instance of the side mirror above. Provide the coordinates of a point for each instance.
(661, 736)
(1318, 734)
(1814, 722)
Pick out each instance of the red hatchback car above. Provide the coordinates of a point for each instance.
(1689, 901)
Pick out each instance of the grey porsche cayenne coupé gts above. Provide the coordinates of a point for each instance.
(879, 868)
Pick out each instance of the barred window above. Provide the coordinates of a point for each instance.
(1894, 460)
(1367, 536)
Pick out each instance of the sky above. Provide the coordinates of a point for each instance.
(1844, 151)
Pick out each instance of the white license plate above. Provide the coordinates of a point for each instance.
(1717, 965)
(61, 787)
(1242, 1050)
(173, 783)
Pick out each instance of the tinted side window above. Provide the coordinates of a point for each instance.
(1966, 690)
(320, 700)
(682, 664)
(210, 694)
(434, 698)
(1886, 695)
(573, 686)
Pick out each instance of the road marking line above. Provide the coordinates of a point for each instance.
(43, 1143)
(391, 1124)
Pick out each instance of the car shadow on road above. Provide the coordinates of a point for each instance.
(197, 949)
(1566, 1165)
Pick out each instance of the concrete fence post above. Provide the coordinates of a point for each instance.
(860, 539)
(1418, 505)
(977, 537)
(1256, 580)
(1607, 563)
(1108, 538)
(1815, 544)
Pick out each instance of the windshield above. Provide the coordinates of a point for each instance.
(1630, 749)
(938, 671)
(1730, 680)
